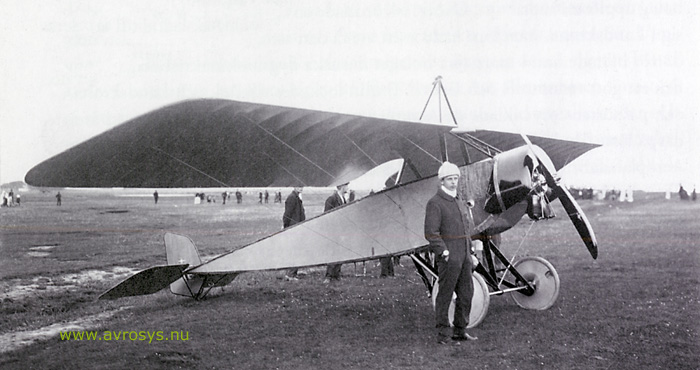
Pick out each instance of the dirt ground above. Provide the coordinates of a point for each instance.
(636, 307)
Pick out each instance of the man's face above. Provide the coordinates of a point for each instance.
(343, 189)
(450, 182)
(298, 189)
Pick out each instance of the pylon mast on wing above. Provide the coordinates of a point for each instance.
(465, 138)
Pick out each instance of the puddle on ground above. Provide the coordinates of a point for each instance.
(42, 248)
(40, 251)
(38, 254)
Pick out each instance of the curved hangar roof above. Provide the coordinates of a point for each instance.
(214, 143)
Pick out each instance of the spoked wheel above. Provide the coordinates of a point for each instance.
(480, 301)
(544, 278)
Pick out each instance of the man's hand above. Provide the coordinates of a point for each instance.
(446, 255)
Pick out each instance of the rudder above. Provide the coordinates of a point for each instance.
(181, 250)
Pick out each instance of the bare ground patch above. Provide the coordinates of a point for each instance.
(17, 289)
(18, 339)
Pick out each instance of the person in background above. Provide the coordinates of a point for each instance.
(336, 199)
(293, 214)
(387, 264)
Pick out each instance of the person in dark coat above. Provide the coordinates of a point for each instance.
(155, 196)
(293, 214)
(448, 231)
(387, 264)
(336, 199)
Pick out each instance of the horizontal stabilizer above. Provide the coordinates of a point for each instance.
(147, 281)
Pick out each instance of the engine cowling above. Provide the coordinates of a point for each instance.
(524, 180)
(512, 180)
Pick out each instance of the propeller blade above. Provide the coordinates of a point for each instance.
(579, 220)
(530, 146)
(545, 164)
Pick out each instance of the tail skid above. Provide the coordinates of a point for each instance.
(181, 249)
(182, 255)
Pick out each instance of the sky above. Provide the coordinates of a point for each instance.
(624, 74)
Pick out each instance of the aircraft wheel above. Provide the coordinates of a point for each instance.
(542, 275)
(480, 301)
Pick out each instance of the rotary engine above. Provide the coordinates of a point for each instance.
(518, 177)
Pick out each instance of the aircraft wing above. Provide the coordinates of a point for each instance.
(215, 143)
(561, 152)
(224, 143)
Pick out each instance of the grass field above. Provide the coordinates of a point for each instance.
(636, 307)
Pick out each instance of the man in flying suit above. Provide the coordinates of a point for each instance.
(447, 230)
(293, 214)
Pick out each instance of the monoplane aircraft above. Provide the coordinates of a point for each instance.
(215, 143)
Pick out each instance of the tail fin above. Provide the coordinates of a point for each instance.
(181, 250)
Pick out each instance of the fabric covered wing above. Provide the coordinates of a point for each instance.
(214, 143)
(224, 143)
(561, 152)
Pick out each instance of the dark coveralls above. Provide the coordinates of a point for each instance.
(335, 200)
(447, 227)
(293, 214)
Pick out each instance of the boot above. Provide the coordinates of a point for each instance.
(460, 334)
(443, 335)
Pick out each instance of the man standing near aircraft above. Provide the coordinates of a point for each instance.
(293, 214)
(447, 230)
(337, 199)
